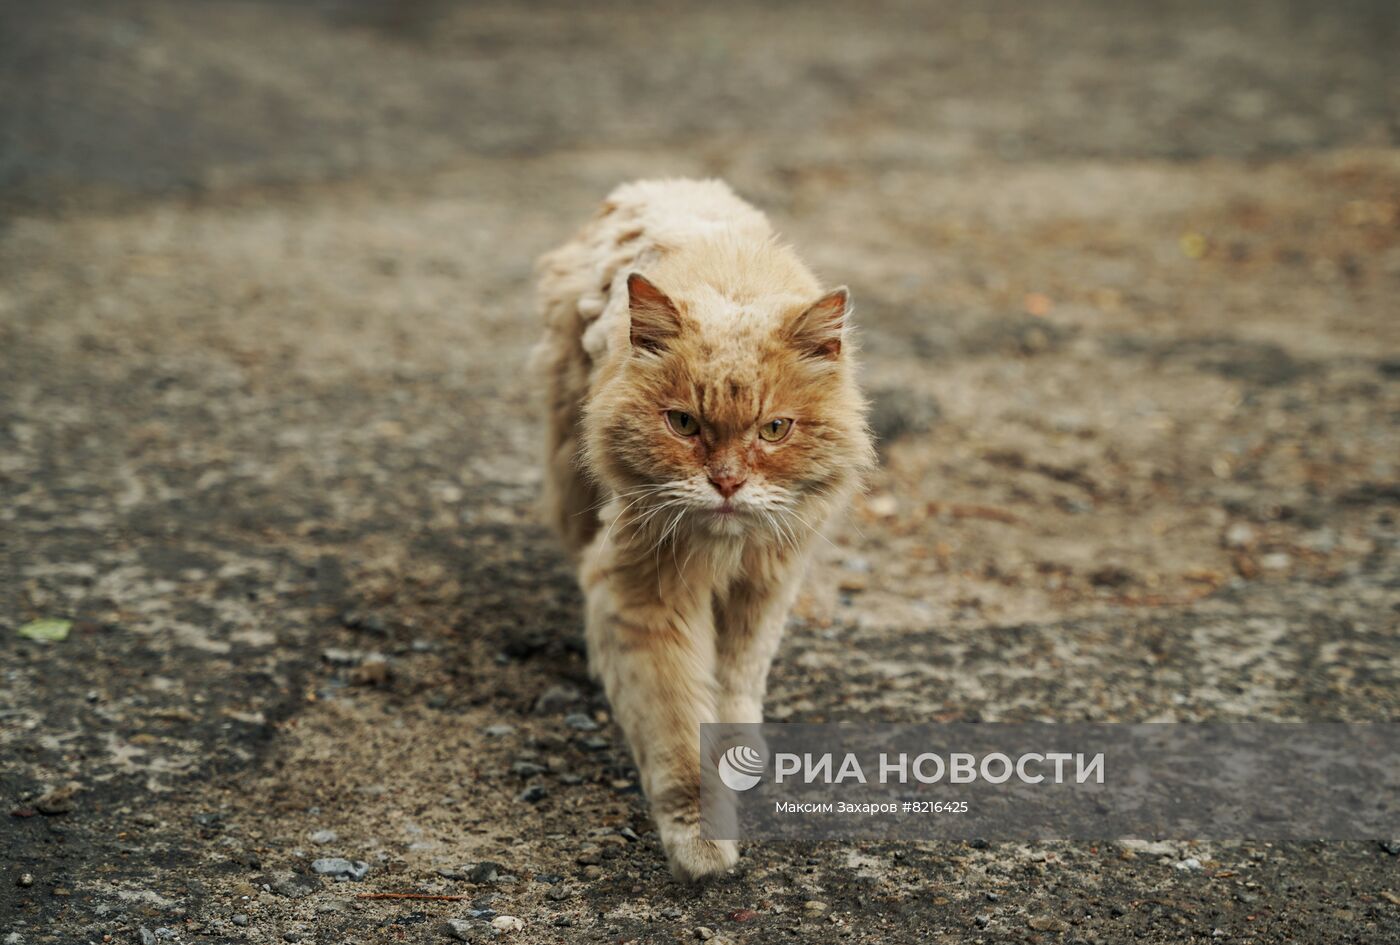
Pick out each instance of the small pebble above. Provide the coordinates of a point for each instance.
(558, 893)
(534, 794)
(507, 923)
(340, 868)
(1190, 864)
(815, 906)
(26, 879)
(883, 505)
(147, 936)
(499, 730)
(324, 836)
(460, 929)
(580, 722)
(1111, 575)
(295, 887)
(556, 699)
(374, 671)
(484, 872)
(340, 657)
(704, 933)
(370, 623)
(58, 801)
(982, 920)
(1239, 535)
(239, 919)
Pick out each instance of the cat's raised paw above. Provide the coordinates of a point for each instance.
(693, 857)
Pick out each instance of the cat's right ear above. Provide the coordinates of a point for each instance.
(655, 320)
(818, 331)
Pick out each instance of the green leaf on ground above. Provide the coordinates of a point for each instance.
(48, 630)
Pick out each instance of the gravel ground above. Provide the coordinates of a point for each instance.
(1126, 284)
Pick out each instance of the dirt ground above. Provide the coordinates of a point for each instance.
(1126, 283)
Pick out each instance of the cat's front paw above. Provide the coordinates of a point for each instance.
(693, 857)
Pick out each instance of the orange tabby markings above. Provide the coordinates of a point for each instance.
(703, 425)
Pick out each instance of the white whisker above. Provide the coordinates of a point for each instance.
(785, 534)
(808, 525)
(653, 488)
(617, 518)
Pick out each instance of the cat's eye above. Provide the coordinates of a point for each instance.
(775, 430)
(682, 423)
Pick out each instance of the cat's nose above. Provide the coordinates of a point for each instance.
(726, 484)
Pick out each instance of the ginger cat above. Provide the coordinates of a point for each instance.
(704, 423)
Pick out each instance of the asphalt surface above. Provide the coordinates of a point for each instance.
(1126, 286)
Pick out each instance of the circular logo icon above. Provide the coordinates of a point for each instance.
(740, 768)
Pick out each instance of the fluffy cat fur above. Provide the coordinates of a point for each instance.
(677, 329)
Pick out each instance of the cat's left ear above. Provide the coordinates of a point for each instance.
(817, 332)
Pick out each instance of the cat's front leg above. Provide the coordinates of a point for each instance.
(656, 662)
(749, 628)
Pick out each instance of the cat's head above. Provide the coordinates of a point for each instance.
(730, 416)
